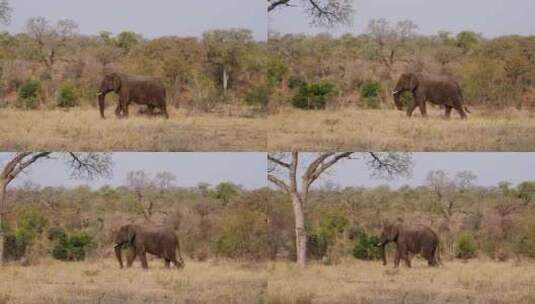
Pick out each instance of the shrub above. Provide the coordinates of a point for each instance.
(312, 96)
(276, 71)
(466, 246)
(30, 224)
(243, 233)
(71, 248)
(28, 95)
(526, 243)
(330, 223)
(259, 96)
(364, 248)
(67, 95)
(370, 91)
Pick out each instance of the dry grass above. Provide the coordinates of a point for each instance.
(83, 130)
(55, 282)
(475, 282)
(381, 130)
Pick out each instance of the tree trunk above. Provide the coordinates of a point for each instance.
(3, 186)
(300, 232)
(225, 79)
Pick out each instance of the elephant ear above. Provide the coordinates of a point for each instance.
(117, 82)
(414, 81)
(131, 233)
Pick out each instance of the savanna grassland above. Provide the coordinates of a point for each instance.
(342, 86)
(101, 281)
(82, 130)
(477, 282)
(391, 130)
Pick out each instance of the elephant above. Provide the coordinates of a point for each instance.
(410, 241)
(141, 240)
(438, 89)
(143, 90)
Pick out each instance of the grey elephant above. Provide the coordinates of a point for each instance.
(438, 89)
(143, 90)
(410, 241)
(141, 240)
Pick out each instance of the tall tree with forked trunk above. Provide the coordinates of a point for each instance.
(294, 173)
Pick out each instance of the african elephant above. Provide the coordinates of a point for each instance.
(143, 90)
(410, 241)
(441, 90)
(142, 240)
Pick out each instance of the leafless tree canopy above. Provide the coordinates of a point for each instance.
(5, 12)
(327, 13)
(89, 165)
(386, 165)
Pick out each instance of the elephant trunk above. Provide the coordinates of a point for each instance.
(397, 100)
(382, 246)
(118, 254)
(101, 101)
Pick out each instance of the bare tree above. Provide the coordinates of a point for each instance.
(82, 165)
(50, 40)
(164, 180)
(389, 39)
(5, 12)
(284, 168)
(146, 189)
(447, 190)
(327, 13)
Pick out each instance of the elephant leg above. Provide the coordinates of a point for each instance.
(448, 111)
(131, 257)
(407, 258)
(163, 109)
(461, 111)
(167, 262)
(411, 109)
(143, 258)
(397, 258)
(423, 109)
(118, 111)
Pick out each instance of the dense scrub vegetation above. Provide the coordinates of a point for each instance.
(362, 70)
(488, 222)
(72, 224)
(227, 221)
(51, 65)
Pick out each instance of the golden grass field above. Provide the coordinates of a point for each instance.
(83, 130)
(390, 130)
(475, 282)
(54, 282)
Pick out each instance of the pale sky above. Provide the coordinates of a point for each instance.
(151, 18)
(490, 168)
(490, 17)
(246, 169)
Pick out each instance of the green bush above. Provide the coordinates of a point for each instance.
(259, 96)
(28, 95)
(365, 246)
(30, 224)
(312, 96)
(71, 248)
(526, 242)
(329, 224)
(466, 246)
(370, 91)
(276, 71)
(67, 95)
(243, 233)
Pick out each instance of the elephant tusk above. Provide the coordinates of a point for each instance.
(99, 93)
(395, 92)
